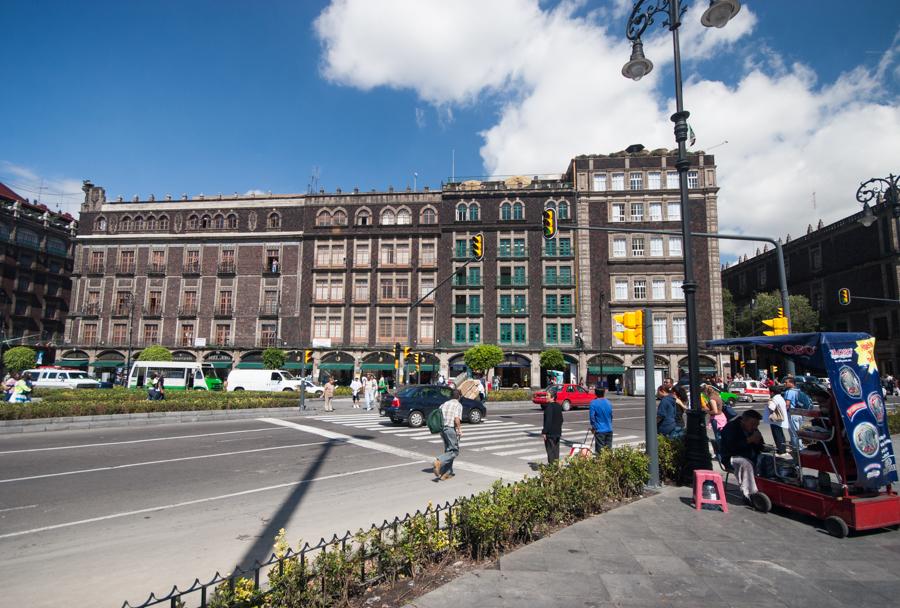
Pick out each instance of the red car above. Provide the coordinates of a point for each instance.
(567, 395)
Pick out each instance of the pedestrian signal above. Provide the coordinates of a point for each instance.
(550, 228)
(478, 247)
(844, 296)
(779, 326)
(307, 356)
(633, 323)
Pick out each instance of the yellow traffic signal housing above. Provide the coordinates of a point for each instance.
(633, 322)
(478, 247)
(549, 223)
(307, 356)
(844, 296)
(779, 326)
(780, 313)
(406, 350)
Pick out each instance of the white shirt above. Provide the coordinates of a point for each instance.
(355, 386)
(451, 409)
(371, 386)
(777, 402)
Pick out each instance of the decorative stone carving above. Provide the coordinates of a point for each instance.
(251, 221)
(472, 184)
(517, 181)
(177, 223)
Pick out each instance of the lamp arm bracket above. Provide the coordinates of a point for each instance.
(642, 17)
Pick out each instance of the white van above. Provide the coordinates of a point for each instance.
(61, 377)
(177, 375)
(268, 380)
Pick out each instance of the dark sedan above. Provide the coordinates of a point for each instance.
(412, 404)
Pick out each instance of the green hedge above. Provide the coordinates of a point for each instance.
(512, 394)
(894, 422)
(485, 524)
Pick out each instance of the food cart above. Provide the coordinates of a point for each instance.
(843, 440)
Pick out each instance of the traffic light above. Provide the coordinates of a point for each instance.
(406, 350)
(779, 326)
(308, 357)
(633, 322)
(416, 358)
(478, 247)
(397, 351)
(780, 313)
(550, 228)
(774, 370)
(844, 296)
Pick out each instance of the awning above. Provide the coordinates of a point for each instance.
(333, 365)
(72, 362)
(425, 367)
(108, 364)
(607, 369)
(368, 367)
(250, 365)
(297, 365)
(219, 364)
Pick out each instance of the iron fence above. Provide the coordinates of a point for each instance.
(365, 548)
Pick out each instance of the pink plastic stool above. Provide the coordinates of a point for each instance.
(699, 501)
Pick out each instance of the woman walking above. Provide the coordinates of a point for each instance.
(777, 417)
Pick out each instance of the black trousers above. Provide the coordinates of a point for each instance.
(778, 436)
(602, 441)
(552, 445)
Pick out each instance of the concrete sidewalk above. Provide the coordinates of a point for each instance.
(660, 552)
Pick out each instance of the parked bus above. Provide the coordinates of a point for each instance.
(177, 375)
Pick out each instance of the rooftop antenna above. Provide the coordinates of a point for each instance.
(415, 181)
(814, 200)
(314, 180)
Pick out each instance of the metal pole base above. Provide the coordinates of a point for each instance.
(696, 446)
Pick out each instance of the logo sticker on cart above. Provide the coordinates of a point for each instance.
(865, 439)
(873, 470)
(876, 406)
(841, 355)
(854, 409)
(850, 382)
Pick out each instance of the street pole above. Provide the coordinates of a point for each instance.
(130, 337)
(650, 432)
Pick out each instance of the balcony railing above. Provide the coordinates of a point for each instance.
(468, 282)
(225, 268)
(512, 310)
(272, 268)
(91, 310)
(267, 341)
(154, 310)
(512, 253)
(559, 310)
(186, 341)
(125, 268)
(467, 309)
(559, 281)
(503, 281)
(558, 252)
(223, 310)
(156, 269)
(462, 254)
(268, 310)
(191, 268)
(97, 268)
(188, 311)
(121, 310)
(58, 251)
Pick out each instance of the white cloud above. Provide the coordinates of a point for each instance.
(420, 118)
(556, 79)
(58, 193)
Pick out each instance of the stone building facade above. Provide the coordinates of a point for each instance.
(220, 279)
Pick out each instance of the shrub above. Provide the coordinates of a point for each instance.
(273, 358)
(155, 353)
(894, 423)
(671, 458)
(516, 394)
(343, 391)
(19, 358)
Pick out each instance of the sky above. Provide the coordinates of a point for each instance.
(798, 100)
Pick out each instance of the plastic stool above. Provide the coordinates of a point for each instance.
(699, 477)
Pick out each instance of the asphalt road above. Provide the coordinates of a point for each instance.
(94, 518)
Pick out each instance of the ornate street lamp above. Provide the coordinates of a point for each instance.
(882, 190)
(717, 15)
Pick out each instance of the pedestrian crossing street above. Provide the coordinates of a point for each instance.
(497, 437)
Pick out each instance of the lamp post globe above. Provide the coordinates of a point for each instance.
(638, 66)
(720, 12)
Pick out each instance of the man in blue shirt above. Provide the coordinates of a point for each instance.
(601, 420)
(666, 412)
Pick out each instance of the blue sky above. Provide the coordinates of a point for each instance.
(171, 97)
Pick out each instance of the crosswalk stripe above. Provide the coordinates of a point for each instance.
(481, 434)
(488, 448)
(486, 426)
(512, 452)
(496, 440)
(534, 455)
(528, 432)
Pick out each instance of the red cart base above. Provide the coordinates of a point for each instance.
(840, 513)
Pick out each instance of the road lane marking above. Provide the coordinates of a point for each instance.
(199, 501)
(387, 449)
(96, 445)
(511, 452)
(17, 508)
(167, 461)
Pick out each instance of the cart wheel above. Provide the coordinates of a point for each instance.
(836, 526)
(761, 502)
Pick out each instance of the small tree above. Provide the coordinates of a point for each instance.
(483, 357)
(19, 358)
(155, 353)
(273, 358)
(804, 318)
(553, 359)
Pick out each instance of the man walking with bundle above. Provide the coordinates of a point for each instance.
(451, 411)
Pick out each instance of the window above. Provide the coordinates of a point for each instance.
(619, 247)
(677, 291)
(461, 212)
(636, 181)
(404, 218)
(193, 222)
(505, 333)
(565, 333)
(459, 333)
(618, 181)
(392, 287)
(599, 184)
(274, 221)
(679, 330)
(89, 333)
(218, 222)
(125, 224)
(426, 284)
(363, 217)
(474, 212)
(672, 180)
(761, 276)
(428, 253)
(328, 324)
(617, 328)
(659, 289)
(361, 251)
(388, 218)
(139, 223)
(223, 334)
(621, 292)
(231, 222)
(126, 261)
(659, 330)
(428, 216)
(224, 304)
(205, 222)
(426, 327)
(618, 212)
(154, 303)
(640, 289)
(186, 334)
(551, 333)
(189, 302)
(675, 246)
(151, 333)
(339, 218)
(361, 289)
(563, 212)
(474, 333)
(673, 212)
(693, 179)
(192, 260)
(100, 224)
(519, 211)
(272, 259)
(391, 325)
(96, 261)
(815, 257)
(520, 333)
(394, 254)
(655, 210)
(323, 218)
(330, 254)
(653, 180)
(360, 330)
(461, 248)
(505, 211)
(637, 246)
(637, 212)
(119, 333)
(656, 246)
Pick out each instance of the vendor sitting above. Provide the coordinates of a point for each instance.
(740, 446)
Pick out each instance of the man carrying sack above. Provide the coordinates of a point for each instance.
(451, 412)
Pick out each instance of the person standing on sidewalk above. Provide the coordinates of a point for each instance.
(777, 418)
(328, 394)
(355, 386)
(552, 431)
(371, 388)
(601, 416)
(451, 410)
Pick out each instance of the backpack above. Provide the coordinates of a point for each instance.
(436, 421)
(803, 400)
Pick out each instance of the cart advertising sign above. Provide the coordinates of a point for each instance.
(849, 360)
(857, 388)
